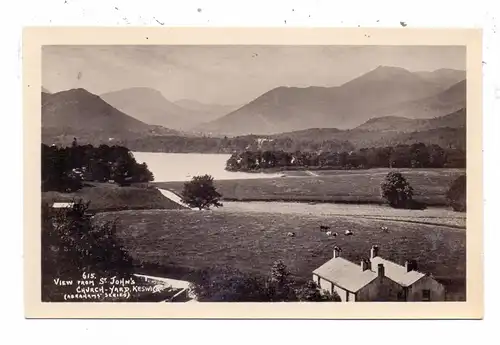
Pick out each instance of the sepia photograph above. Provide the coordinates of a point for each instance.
(313, 173)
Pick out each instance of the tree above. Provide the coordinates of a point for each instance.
(419, 155)
(229, 285)
(396, 190)
(310, 292)
(280, 284)
(457, 194)
(232, 163)
(72, 244)
(200, 192)
(232, 285)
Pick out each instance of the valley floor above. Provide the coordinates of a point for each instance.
(168, 239)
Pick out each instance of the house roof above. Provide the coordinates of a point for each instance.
(62, 204)
(351, 277)
(345, 274)
(397, 272)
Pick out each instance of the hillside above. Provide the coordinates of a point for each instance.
(108, 197)
(444, 137)
(403, 124)
(285, 109)
(44, 90)
(448, 101)
(79, 113)
(448, 130)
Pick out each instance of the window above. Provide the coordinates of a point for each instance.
(426, 295)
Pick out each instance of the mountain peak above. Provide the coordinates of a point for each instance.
(389, 70)
(77, 92)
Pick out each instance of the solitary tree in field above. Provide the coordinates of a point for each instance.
(200, 192)
(456, 195)
(396, 190)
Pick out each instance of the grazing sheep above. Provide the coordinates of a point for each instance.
(328, 233)
(348, 233)
(324, 227)
(385, 229)
(335, 234)
(290, 234)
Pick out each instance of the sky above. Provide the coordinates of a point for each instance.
(228, 75)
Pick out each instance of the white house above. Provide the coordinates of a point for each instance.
(376, 279)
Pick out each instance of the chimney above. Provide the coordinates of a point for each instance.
(408, 265)
(411, 265)
(381, 270)
(336, 252)
(365, 265)
(374, 252)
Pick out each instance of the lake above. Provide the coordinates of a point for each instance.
(183, 166)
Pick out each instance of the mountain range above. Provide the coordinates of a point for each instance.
(150, 106)
(384, 91)
(79, 113)
(387, 103)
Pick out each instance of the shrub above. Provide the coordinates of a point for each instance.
(457, 194)
(310, 292)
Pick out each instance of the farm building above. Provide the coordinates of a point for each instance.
(59, 205)
(376, 279)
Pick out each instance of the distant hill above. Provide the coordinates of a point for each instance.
(205, 112)
(448, 130)
(444, 137)
(84, 115)
(45, 97)
(448, 101)
(403, 124)
(44, 90)
(285, 109)
(443, 77)
(150, 106)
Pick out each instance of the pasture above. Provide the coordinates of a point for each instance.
(357, 186)
(430, 216)
(111, 197)
(252, 241)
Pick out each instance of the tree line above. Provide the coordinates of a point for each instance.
(180, 144)
(233, 285)
(416, 155)
(65, 169)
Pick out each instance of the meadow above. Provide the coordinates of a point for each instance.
(431, 215)
(111, 197)
(357, 186)
(252, 241)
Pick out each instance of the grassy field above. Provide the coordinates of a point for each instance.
(252, 241)
(357, 186)
(431, 215)
(110, 197)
